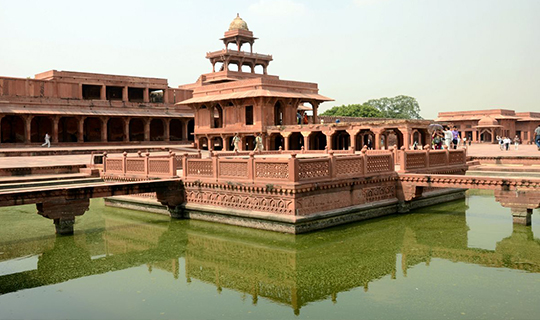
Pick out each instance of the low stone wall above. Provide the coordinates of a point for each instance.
(521, 160)
(431, 161)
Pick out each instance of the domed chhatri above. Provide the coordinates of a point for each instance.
(238, 24)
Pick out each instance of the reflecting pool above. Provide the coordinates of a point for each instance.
(460, 260)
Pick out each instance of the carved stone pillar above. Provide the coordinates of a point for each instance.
(63, 212)
(329, 143)
(166, 129)
(103, 93)
(28, 128)
(185, 134)
(147, 129)
(55, 121)
(305, 134)
(146, 95)
(80, 133)
(315, 112)
(104, 122)
(377, 142)
(286, 140)
(125, 94)
(126, 129)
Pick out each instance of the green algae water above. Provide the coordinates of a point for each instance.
(460, 260)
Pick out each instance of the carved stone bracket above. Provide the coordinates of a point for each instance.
(63, 212)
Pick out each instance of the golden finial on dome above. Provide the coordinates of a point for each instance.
(238, 24)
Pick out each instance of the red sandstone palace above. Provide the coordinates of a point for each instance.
(486, 125)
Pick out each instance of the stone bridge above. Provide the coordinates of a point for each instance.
(522, 195)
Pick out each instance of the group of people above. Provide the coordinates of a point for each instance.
(302, 119)
(258, 142)
(504, 142)
(447, 137)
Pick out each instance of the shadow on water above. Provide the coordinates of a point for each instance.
(287, 269)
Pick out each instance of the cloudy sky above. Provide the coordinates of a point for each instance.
(449, 54)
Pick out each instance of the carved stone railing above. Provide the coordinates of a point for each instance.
(139, 167)
(290, 169)
(427, 159)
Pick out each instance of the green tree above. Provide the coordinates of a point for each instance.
(400, 107)
(353, 110)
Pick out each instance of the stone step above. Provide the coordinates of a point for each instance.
(43, 177)
(485, 173)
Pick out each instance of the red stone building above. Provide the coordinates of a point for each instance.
(235, 98)
(76, 107)
(486, 125)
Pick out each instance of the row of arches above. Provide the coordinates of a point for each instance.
(316, 140)
(30, 129)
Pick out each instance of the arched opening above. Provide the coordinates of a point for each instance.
(259, 69)
(67, 129)
(218, 116)
(203, 143)
(218, 66)
(217, 143)
(365, 138)
(341, 140)
(233, 66)
(115, 130)
(156, 130)
(296, 141)
(12, 129)
(92, 129)
(394, 137)
(278, 114)
(190, 130)
(39, 127)
(317, 141)
(249, 142)
(136, 130)
(175, 130)
(486, 136)
(276, 141)
(246, 68)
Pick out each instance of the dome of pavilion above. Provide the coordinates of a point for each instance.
(238, 24)
(487, 121)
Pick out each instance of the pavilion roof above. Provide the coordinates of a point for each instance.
(255, 94)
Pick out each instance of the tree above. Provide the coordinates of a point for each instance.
(400, 107)
(353, 110)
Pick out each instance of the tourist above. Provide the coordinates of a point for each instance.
(306, 121)
(258, 143)
(516, 142)
(465, 141)
(470, 140)
(506, 141)
(298, 117)
(236, 141)
(500, 142)
(455, 137)
(537, 136)
(448, 136)
(369, 144)
(47, 141)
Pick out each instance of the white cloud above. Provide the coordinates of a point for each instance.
(277, 8)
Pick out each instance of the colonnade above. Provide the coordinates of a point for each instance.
(68, 129)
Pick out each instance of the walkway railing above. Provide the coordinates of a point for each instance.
(291, 169)
(421, 160)
(140, 166)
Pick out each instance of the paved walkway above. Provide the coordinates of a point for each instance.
(493, 150)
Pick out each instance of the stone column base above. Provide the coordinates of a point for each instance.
(522, 216)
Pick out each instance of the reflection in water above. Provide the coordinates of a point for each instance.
(289, 270)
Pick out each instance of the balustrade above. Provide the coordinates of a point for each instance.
(141, 166)
(419, 160)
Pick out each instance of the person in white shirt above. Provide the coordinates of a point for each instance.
(448, 136)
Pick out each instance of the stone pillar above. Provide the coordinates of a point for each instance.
(147, 129)
(104, 122)
(315, 112)
(55, 121)
(63, 212)
(146, 95)
(286, 140)
(406, 140)
(352, 139)
(305, 134)
(329, 140)
(167, 131)
(125, 96)
(103, 93)
(165, 95)
(522, 216)
(126, 129)
(80, 133)
(377, 142)
(28, 128)
(185, 134)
